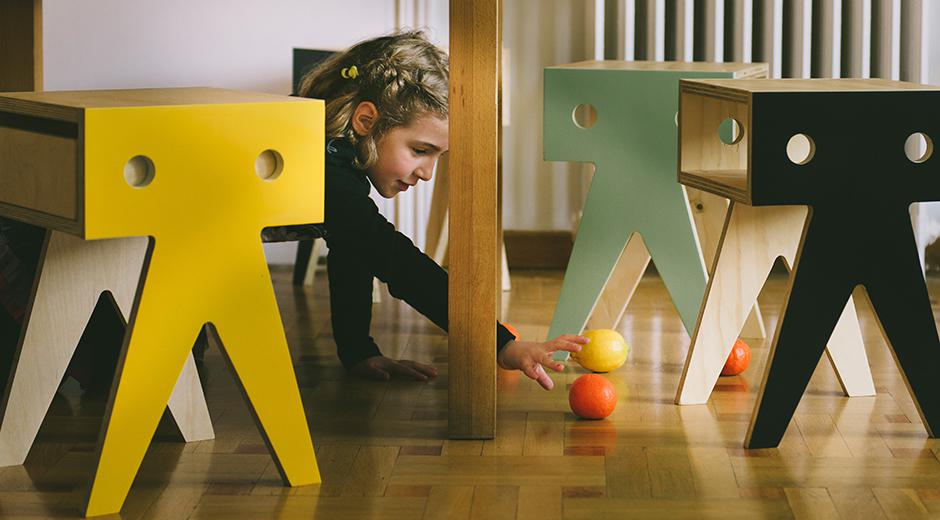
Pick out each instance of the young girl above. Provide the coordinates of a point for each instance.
(386, 124)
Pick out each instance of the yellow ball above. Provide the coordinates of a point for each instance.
(606, 351)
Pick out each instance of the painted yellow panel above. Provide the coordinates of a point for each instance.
(204, 207)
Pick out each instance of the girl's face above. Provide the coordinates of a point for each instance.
(407, 154)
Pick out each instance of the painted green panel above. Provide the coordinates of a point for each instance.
(632, 145)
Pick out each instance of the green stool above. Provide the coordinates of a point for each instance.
(634, 199)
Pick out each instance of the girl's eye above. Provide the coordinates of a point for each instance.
(419, 152)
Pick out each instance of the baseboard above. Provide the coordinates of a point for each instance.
(552, 249)
(538, 249)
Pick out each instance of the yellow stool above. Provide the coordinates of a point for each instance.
(201, 171)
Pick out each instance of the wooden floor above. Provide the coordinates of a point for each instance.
(383, 451)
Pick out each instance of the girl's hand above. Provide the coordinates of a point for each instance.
(532, 356)
(381, 368)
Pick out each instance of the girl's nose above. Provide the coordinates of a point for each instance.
(424, 173)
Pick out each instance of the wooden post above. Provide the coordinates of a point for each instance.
(20, 45)
(475, 41)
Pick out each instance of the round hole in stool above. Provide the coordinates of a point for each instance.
(800, 149)
(730, 131)
(139, 171)
(918, 147)
(584, 115)
(269, 165)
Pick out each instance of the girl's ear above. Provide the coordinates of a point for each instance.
(364, 118)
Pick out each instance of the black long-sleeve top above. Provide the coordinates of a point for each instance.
(362, 245)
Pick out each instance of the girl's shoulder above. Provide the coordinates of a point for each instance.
(341, 172)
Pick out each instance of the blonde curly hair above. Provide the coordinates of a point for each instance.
(403, 74)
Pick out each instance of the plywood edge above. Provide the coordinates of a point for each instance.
(39, 218)
(701, 88)
(39, 109)
(758, 71)
(701, 181)
(72, 101)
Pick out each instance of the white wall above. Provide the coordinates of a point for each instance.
(244, 44)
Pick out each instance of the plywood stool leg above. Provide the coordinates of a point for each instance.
(752, 241)
(55, 319)
(898, 293)
(302, 261)
(754, 238)
(157, 349)
(818, 293)
(709, 212)
(315, 250)
(436, 233)
(675, 250)
(504, 267)
(71, 276)
(621, 285)
(754, 324)
(596, 250)
(601, 245)
(846, 352)
(187, 405)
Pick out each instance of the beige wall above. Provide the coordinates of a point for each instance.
(539, 195)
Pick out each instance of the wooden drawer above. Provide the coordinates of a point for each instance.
(40, 170)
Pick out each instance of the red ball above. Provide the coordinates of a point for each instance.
(592, 396)
(738, 360)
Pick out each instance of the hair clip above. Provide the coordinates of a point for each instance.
(350, 72)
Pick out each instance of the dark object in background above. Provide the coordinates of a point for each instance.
(20, 245)
(304, 61)
(96, 355)
(293, 233)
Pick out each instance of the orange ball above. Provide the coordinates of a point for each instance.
(512, 329)
(738, 360)
(592, 396)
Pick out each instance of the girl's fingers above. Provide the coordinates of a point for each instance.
(378, 374)
(547, 361)
(370, 370)
(530, 371)
(543, 378)
(536, 372)
(405, 370)
(427, 370)
(564, 345)
(573, 338)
